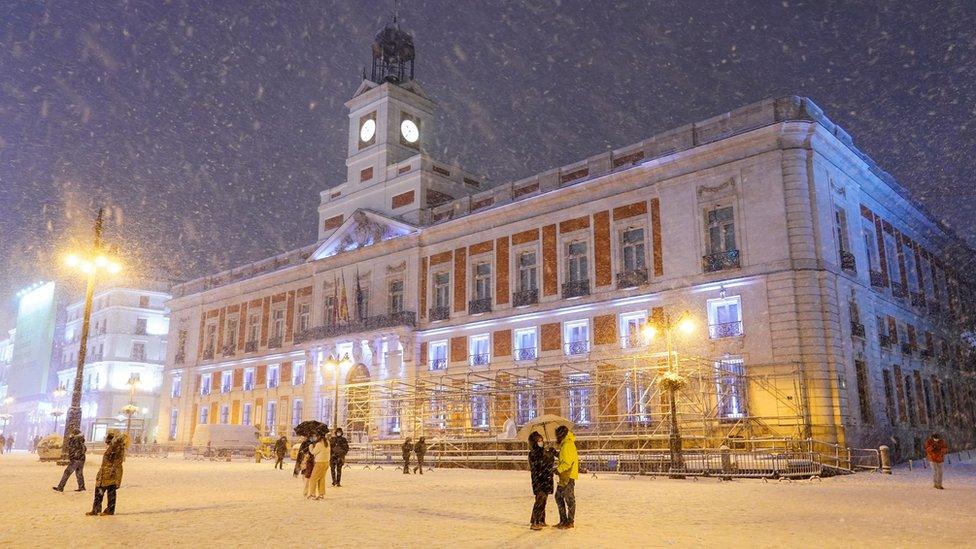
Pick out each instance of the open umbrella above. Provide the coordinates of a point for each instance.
(310, 427)
(546, 425)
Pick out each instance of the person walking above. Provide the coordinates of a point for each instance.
(936, 450)
(280, 448)
(568, 470)
(109, 476)
(421, 450)
(540, 467)
(3, 443)
(76, 462)
(340, 447)
(320, 453)
(406, 449)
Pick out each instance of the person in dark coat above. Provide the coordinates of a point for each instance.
(340, 447)
(302, 451)
(3, 444)
(406, 449)
(109, 476)
(541, 461)
(420, 449)
(280, 448)
(76, 462)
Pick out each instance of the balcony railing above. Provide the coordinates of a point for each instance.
(725, 329)
(482, 305)
(857, 329)
(897, 290)
(918, 299)
(884, 340)
(251, 346)
(439, 313)
(228, 350)
(521, 298)
(574, 348)
(248, 385)
(438, 363)
(225, 388)
(848, 262)
(402, 318)
(480, 359)
(719, 262)
(208, 354)
(576, 288)
(274, 342)
(632, 279)
(632, 341)
(272, 382)
(526, 354)
(877, 279)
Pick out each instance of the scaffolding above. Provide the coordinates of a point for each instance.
(616, 403)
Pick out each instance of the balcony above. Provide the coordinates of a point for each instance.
(576, 288)
(438, 363)
(884, 340)
(632, 341)
(721, 261)
(848, 262)
(576, 348)
(907, 348)
(228, 350)
(526, 354)
(918, 299)
(481, 359)
(897, 290)
(251, 346)
(632, 279)
(274, 342)
(225, 388)
(857, 329)
(439, 313)
(248, 385)
(877, 279)
(725, 329)
(523, 298)
(208, 354)
(476, 306)
(402, 318)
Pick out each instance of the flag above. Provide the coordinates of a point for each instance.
(343, 302)
(360, 313)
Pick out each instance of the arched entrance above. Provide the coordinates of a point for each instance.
(357, 401)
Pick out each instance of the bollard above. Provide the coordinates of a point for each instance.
(726, 462)
(909, 465)
(885, 454)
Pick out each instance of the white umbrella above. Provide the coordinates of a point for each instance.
(546, 425)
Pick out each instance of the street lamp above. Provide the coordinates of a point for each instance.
(57, 412)
(671, 380)
(91, 263)
(6, 415)
(336, 364)
(131, 408)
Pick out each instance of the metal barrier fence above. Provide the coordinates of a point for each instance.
(717, 463)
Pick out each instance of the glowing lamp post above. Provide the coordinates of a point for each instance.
(91, 263)
(336, 364)
(57, 412)
(131, 408)
(671, 380)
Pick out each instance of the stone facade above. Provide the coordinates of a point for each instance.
(754, 224)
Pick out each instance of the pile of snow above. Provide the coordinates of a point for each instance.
(165, 502)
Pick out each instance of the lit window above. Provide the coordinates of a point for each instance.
(246, 413)
(176, 388)
(225, 381)
(249, 379)
(730, 385)
(637, 393)
(225, 414)
(271, 418)
(203, 414)
(724, 317)
(526, 402)
(272, 376)
(204, 384)
(296, 412)
(174, 415)
(298, 373)
(576, 334)
(721, 230)
(480, 350)
(438, 355)
(631, 325)
(579, 398)
(526, 347)
(479, 407)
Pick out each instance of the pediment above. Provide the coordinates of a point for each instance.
(363, 228)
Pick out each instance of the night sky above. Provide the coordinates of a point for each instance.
(209, 127)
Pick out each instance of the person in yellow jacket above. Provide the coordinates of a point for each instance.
(568, 470)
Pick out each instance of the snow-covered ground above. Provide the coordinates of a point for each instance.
(166, 502)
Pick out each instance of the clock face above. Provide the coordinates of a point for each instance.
(409, 131)
(367, 130)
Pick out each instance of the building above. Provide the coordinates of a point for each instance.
(824, 302)
(124, 357)
(6, 355)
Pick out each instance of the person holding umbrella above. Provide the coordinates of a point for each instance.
(540, 466)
